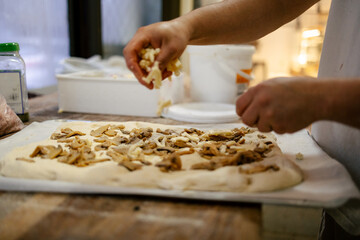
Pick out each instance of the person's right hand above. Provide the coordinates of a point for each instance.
(171, 37)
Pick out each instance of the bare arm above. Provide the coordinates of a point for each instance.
(238, 21)
(231, 21)
(290, 104)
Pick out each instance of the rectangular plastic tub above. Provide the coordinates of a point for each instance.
(103, 92)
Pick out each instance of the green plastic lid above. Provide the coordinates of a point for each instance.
(9, 47)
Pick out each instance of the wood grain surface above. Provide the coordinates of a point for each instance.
(74, 216)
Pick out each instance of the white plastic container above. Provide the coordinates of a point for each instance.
(113, 93)
(214, 70)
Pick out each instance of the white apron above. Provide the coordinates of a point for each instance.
(341, 59)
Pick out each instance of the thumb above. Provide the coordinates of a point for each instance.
(167, 53)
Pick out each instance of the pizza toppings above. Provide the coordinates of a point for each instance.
(170, 163)
(99, 132)
(129, 165)
(193, 131)
(157, 156)
(239, 158)
(66, 133)
(134, 148)
(151, 66)
(46, 151)
(299, 156)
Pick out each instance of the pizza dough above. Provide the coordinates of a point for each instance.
(147, 155)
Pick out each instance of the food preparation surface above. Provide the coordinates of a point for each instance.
(30, 215)
(73, 216)
(326, 182)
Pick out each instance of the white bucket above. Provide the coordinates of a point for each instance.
(215, 70)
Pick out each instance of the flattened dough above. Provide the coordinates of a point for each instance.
(227, 178)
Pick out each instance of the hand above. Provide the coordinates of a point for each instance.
(171, 37)
(284, 105)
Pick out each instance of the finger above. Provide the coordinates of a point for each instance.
(251, 116)
(132, 59)
(263, 125)
(166, 74)
(243, 102)
(140, 74)
(148, 85)
(167, 54)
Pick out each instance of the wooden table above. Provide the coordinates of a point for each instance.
(75, 216)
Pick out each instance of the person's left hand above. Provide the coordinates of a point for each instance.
(284, 105)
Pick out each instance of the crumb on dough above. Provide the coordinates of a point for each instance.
(299, 156)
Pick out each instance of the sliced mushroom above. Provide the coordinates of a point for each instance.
(170, 163)
(48, 151)
(181, 144)
(77, 143)
(73, 157)
(66, 133)
(54, 152)
(117, 157)
(190, 151)
(111, 132)
(163, 150)
(241, 158)
(125, 132)
(140, 159)
(99, 131)
(194, 130)
(122, 149)
(119, 140)
(209, 150)
(165, 132)
(149, 145)
(130, 165)
(103, 146)
(209, 165)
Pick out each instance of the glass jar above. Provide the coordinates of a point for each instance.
(12, 79)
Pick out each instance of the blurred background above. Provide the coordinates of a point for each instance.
(50, 31)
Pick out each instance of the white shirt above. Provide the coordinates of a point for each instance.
(341, 59)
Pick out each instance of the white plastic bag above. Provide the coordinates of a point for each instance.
(9, 121)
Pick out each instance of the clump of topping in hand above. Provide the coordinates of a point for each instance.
(148, 63)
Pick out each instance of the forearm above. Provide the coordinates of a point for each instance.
(239, 21)
(342, 101)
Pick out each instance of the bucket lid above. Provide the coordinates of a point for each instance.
(202, 112)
